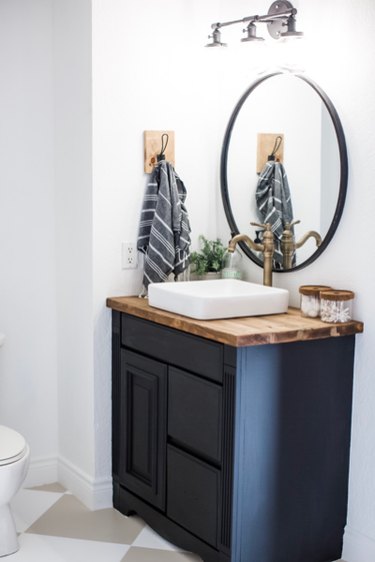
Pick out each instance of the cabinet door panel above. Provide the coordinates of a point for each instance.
(193, 494)
(143, 427)
(195, 414)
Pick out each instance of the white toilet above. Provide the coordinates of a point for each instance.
(14, 462)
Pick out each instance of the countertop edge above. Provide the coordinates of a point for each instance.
(263, 330)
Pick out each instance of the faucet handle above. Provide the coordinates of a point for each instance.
(266, 226)
(289, 225)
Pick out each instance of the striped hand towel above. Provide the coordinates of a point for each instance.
(164, 230)
(274, 203)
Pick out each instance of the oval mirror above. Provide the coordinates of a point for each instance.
(291, 116)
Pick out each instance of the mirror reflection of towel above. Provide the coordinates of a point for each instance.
(164, 230)
(274, 203)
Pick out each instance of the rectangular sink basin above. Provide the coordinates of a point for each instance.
(221, 298)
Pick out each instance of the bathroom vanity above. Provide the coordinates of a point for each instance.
(231, 437)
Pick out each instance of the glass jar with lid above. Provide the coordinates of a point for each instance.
(310, 299)
(336, 306)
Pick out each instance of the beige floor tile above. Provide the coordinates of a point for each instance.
(148, 538)
(28, 506)
(69, 518)
(39, 548)
(136, 554)
(56, 487)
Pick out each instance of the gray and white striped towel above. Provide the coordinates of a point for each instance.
(164, 230)
(274, 203)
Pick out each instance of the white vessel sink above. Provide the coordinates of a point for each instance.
(2, 338)
(221, 298)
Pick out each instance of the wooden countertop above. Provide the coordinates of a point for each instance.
(239, 332)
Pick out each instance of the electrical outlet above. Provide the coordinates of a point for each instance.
(129, 255)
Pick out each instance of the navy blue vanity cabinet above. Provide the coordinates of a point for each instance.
(239, 454)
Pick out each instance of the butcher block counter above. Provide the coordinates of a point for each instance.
(240, 332)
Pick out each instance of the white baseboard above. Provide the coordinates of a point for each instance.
(357, 546)
(47, 470)
(94, 494)
(42, 470)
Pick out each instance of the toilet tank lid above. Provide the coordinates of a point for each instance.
(11, 443)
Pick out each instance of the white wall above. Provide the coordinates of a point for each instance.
(28, 397)
(46, 277)
(74, 249)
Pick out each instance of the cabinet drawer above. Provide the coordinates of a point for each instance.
(193, 494)
(174, 347)
(195, 414)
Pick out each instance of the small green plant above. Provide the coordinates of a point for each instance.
(209, 258)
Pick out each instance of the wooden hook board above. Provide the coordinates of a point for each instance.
(152, 147)
(266, 143)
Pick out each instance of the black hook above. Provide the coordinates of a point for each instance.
(276, 146)
(161, 156)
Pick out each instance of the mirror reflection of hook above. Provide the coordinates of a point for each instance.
(161, 155)
(276, 146)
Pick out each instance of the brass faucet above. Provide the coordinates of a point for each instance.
(289, 245)
(267, 247)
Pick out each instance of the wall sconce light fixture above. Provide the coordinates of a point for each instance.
(280, 20)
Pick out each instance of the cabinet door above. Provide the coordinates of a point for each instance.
(143, 427)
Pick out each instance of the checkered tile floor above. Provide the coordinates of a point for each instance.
(54, 526)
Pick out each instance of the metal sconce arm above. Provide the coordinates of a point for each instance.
(256, 18)
(280, 15)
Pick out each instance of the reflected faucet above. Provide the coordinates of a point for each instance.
(267, 247)
(289, 245)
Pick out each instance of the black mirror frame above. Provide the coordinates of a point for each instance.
(343, 170)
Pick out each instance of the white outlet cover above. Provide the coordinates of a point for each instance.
(129, 255)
